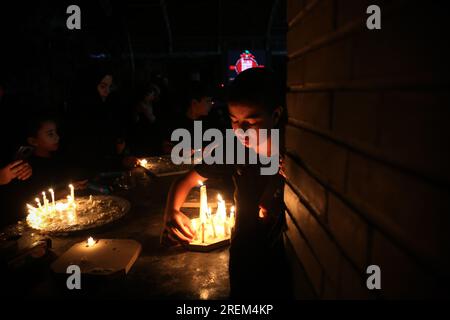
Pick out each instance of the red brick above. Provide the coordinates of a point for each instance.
(301, 283)
(316, 23)
(414, 130)
(351, 10)
(350, 231)
(352, 282)
(401, 277)
(296, 71)
(355, 116)
(402, 48)
(313, 192)
(322, 245)
(330, 291)
(312, 108)
(305, 255)
(323, 156)
(293, 7)
(331, 63)
(405, 205)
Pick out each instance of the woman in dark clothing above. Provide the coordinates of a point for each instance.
(97, 127)
(144, 132)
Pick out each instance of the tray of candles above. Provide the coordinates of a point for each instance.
(213, 230)
(75, 214)
(163, 166)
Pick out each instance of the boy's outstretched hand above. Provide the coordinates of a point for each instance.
(177, 228)
(17, 169)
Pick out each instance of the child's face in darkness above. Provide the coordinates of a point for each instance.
(104, 87)
(46, 139)
(251, 117)
(203, 106)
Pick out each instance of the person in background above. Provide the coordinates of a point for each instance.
(198, 102)
(144, 137)
(50, 169)
(97, 128)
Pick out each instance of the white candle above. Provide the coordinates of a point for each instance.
(203, 232)
(52, 193)
(203, 202)
(90, 242)
(212, 222)
(232, 217)
(39, 203)
(221, 214)
(72, 192)
(45, 201)
(143, 163)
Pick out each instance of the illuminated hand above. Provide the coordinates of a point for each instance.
(130, 162)
(18, 169)
(177, 228)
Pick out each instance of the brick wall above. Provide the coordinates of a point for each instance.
(368, 139)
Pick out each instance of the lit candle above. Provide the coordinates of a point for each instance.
(221, 214)
(203, 232)
(143, 163)
(53, 197)
(72, 192)
(45, 201)
(232, 217)
(39, 203)
(203, 202)
(90, 242)
(210, 218)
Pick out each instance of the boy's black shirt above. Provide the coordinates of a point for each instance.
(258, 266)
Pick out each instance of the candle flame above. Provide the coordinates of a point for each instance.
(219, 197)
(200, 183)
(143, 162)
(90, 242)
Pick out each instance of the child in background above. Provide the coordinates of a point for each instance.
(50, 170)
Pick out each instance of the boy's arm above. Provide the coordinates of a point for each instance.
(177, 226)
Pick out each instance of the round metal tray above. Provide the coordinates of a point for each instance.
(109, 209)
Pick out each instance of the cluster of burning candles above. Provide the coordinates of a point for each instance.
(210, 227)
(45, 210)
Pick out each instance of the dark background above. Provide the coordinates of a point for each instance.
(41, 59)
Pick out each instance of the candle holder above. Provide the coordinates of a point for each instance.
(210, 241)
(83, 213)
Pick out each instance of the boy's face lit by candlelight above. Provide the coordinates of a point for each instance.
(253, 117)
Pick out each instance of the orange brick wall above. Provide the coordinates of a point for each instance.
(368, 158)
